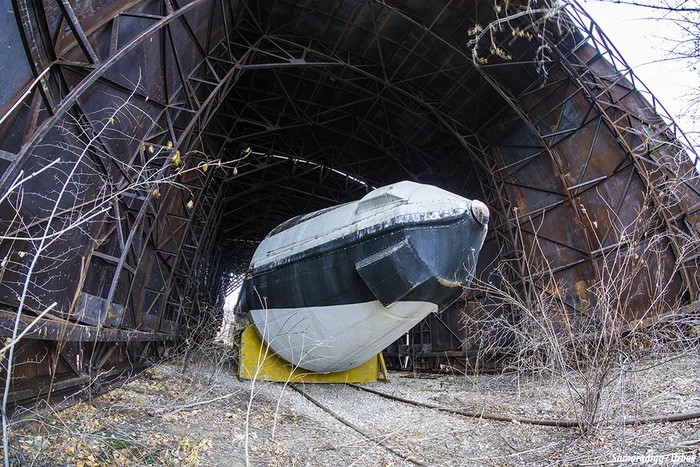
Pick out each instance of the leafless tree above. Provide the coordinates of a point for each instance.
(682, 19)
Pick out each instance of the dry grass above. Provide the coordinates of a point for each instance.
(163, 418)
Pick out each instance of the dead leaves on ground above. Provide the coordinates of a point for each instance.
(112, 433)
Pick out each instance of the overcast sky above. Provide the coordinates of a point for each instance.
(644, 43)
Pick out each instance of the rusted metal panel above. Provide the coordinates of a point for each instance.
(96, 311)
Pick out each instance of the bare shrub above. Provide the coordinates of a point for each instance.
(202, 347)
(590, 348)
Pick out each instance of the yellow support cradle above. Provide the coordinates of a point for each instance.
(257, 361)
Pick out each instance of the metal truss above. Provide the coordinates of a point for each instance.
(191, 129)
(147, 244)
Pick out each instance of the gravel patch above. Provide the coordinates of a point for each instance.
(205, 417)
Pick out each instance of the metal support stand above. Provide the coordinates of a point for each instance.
(259, 362)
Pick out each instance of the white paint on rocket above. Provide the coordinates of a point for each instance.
(377, 207)
(356, 332)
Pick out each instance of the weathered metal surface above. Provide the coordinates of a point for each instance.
(64, 330)
(97, 311)
(333, 99)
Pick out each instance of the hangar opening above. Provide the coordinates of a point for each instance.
(147, 147)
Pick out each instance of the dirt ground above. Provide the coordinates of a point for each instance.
(208, 417)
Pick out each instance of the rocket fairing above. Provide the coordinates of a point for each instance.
(329, 290)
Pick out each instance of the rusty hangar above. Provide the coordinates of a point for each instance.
(147, 146)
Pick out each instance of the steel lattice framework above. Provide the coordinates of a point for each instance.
(147, 146)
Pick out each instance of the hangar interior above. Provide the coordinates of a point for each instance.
(148, 146)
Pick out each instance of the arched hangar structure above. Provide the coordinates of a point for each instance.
(146, 146)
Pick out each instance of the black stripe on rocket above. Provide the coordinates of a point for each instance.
(415, 262)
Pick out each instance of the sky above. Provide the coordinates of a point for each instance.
(644, 42)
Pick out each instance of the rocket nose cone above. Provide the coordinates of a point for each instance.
(480, 212)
